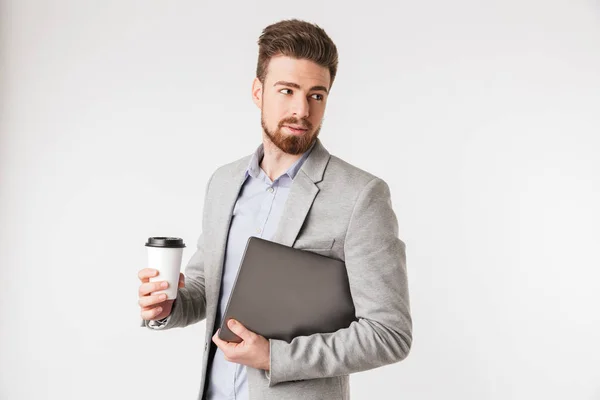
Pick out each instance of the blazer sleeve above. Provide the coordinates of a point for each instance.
(190, 305)
(376, 266)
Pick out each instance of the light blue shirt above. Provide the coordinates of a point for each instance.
(257, 212)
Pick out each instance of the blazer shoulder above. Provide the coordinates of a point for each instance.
(349, 175)
(232, 168)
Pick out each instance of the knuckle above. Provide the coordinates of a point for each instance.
(144, 289)
(147, 301)
(144, 273)
(149, 311)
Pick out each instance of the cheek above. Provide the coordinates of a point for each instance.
(317, 114)
(274, 110)
(271, 118)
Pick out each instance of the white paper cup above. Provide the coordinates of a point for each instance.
(164, 255)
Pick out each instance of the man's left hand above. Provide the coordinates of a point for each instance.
(252, 351)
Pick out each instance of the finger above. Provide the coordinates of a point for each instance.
(151, 313)
(240, 330)
(147, 301)
(218, 341)
(181, 280)
(223, 346)
(145, 274)
(149, 287)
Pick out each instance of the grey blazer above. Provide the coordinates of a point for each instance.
(334, 209)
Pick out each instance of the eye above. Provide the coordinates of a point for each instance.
(290, 90)
(318, 98)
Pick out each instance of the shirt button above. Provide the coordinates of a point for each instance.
(258, 230)
(270, 189)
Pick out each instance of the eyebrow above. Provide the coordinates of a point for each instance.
(295, 85)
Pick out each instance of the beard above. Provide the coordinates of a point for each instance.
(291, 144)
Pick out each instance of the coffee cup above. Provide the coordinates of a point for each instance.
(164, 255)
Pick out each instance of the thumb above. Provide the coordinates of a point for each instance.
(239, 329)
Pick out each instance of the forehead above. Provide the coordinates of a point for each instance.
(303, 72)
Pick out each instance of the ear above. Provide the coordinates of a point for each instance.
(257, 92)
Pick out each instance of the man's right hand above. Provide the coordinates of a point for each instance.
(154, 306)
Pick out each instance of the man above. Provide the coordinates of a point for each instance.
(292, 191)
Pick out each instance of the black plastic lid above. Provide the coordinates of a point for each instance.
(168, 242)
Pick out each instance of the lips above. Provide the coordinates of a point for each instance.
(298, 128)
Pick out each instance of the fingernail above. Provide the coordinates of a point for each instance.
(158, 310)
(232, 322)
(163, 296)
(164, 284)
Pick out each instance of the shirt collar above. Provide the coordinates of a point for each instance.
(254, 167)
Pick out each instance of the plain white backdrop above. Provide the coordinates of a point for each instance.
(483, 117)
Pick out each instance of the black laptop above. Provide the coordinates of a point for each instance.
(281, 293)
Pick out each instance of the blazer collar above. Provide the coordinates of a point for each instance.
(315, 164)
(300, 199)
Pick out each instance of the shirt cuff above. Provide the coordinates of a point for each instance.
(268, 373)
(159, 324)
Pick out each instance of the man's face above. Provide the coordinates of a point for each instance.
(293, 95)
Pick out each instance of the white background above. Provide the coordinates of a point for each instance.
(483, 117)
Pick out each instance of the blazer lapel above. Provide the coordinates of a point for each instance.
(302, 195)
(227, 195)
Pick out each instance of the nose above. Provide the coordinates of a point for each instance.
(300, 107)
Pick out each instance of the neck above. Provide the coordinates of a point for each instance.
(275, 162)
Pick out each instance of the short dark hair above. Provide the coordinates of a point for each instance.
(297, 39)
